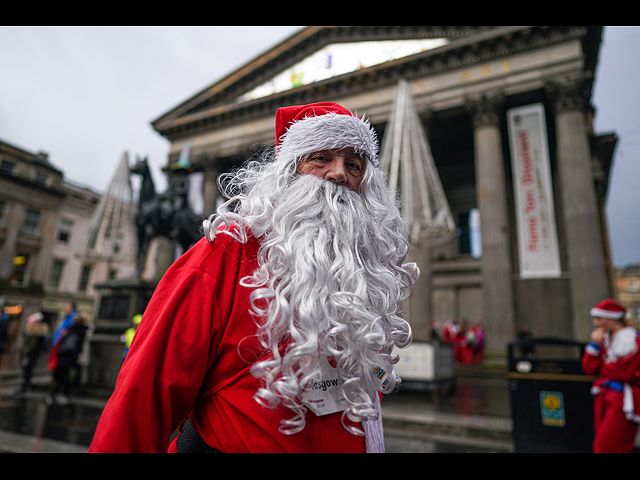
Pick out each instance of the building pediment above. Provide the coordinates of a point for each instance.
(221, 99)
(269, 81)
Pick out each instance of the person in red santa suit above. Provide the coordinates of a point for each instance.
(275, 332)
(613, 355)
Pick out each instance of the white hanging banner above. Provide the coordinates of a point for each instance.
(535, 213)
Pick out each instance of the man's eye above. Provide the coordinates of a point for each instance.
(355, 167)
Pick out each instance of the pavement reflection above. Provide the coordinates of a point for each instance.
(479, 396)
(68, 423)
(29, 414)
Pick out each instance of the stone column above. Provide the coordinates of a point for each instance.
(583, 230)
(498, 308)
(419, 303)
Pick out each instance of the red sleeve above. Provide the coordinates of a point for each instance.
(170, 354)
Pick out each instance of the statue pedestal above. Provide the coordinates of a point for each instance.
(117, 302)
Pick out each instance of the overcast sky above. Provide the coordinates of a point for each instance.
(87, 95)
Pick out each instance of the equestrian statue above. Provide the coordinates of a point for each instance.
(167, 214)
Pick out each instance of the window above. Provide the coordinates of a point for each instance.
(31, 221)
(56, 273)
(19, 276)
(40, 179)
(475, 233)
(85, 274)
(64, 231)
(7, 167)
(2, 208)
(469, 235)
(117, 245)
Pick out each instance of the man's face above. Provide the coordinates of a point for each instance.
(344, 167)
(607, 324)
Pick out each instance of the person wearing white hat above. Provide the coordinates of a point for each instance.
(275, 333)
(613, 356)
(34, 344)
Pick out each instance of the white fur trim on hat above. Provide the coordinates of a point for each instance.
(326, 132)
(599, 312)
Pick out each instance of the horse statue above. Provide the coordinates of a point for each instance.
(167, 214)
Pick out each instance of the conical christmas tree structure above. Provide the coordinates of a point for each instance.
(406, 156)
(111, 233)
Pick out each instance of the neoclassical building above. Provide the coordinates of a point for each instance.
(507, 116)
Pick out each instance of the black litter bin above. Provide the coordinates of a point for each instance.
(551, 403)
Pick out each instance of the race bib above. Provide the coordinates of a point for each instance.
(325, 396)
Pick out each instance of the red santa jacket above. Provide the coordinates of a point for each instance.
(616, 363)
(190, 357)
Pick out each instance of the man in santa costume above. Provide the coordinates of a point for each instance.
(613, 355)
(275, 332)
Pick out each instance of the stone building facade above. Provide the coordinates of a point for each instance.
(43, 222)
(471, 87)
(628, 289)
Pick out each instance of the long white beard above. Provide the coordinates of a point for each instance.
(330, 282)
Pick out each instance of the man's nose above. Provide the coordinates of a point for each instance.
(336, 172)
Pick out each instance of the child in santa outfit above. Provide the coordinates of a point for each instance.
(613, 355)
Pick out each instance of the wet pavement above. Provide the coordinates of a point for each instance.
(481, 396)
(473, 416)
(31, 423)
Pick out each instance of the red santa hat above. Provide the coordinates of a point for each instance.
(609, 308)
(305, 129)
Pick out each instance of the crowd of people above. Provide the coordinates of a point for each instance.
(61, 347)
(467, 339)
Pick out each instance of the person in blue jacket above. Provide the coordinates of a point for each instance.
(68, 320)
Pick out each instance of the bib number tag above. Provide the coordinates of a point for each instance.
(325, 396)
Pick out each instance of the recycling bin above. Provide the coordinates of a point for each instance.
(550, 398)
